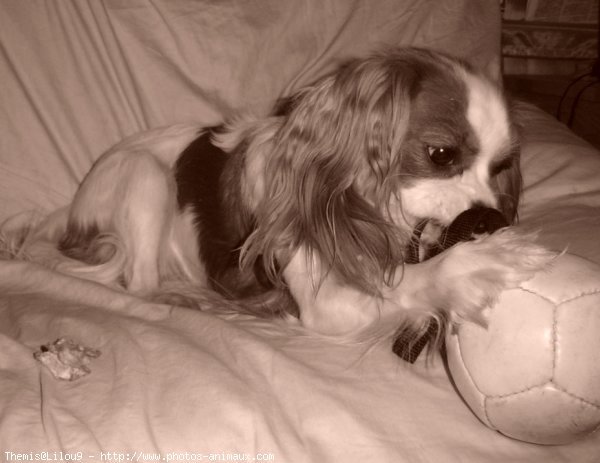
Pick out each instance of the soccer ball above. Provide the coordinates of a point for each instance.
(534, 373)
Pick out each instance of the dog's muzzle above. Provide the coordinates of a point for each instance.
(469, 225)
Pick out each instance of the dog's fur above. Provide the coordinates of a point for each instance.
(317, 201)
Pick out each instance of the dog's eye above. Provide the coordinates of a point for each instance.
(442, 156)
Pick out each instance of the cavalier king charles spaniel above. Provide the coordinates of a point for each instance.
(310, 210)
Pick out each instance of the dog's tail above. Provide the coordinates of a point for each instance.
(25, 235)
(92, 255)
(57, 244)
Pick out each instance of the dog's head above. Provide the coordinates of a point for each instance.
(366, 153)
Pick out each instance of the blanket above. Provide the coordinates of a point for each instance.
(175, 384)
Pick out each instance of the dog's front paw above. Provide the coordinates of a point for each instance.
(474, 273)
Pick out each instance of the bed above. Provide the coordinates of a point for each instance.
(184, 385)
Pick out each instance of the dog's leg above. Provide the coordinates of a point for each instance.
(461, 281)
(331, 307)
(326, 305)
(143, 221)
(470, 276)
(128, 201)
(466, 278)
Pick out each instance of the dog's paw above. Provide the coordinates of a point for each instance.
(475, 273)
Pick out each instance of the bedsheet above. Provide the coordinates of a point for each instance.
(187, 385)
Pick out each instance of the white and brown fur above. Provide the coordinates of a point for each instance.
(317, 202)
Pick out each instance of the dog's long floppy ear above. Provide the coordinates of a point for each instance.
(330, 178)
(508, 182)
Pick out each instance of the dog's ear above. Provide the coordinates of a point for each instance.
(328, 183)
(508, 184)
(507, 181)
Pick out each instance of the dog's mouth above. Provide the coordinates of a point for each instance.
(430, 237)
(425, 240)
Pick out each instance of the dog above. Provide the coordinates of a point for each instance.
(317, 202)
